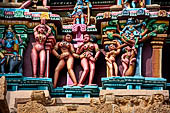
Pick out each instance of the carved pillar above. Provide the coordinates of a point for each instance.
(157, 45)
(3, 90)
(138, 72)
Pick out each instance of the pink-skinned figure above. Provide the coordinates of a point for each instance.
(65, 58)
(88, 59)
(41, 33)
(128, 60)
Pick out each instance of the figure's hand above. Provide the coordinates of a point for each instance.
(76, 55)
(82, 56)
(92, 59)
(68, 13)
(121, 32)
(108, 60)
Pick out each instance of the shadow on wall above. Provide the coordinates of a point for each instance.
(147, 60)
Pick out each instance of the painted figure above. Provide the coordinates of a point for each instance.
(88, 58)
(41, 33)
(66, 57)
(130, 32)
(113, 51)
(78, 14)
(28, 3)
(128, 60)
(10, 51)
(133, 3)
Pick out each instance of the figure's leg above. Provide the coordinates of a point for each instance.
(125, 67)
(133, 3)
(34, 58)
(110, 68)
(115, 68)
(85, 65)
(92, 71)
(70, 63)
(132, 60)
(3, 58)
(77, 19)
(26, 4)
(59, 67)
(82, 19)
(42, 56)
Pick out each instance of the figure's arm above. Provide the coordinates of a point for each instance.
(54, 51)
(36, 30)
(107, 57)
(20, 40)
(80, 49)
(74, 11)
(73, 51)
(16, 47)
(48, 30)
(118, 49)
(123, 57)
(97, 51)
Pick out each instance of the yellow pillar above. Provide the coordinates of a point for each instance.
(157, 45)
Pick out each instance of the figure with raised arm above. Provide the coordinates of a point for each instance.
(66, 58)
(128, 60)
(112, 51)
(88, 59)
(41, 33)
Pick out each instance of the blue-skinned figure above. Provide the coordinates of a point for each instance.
(11, 44)
(78, 11)
(130, 31)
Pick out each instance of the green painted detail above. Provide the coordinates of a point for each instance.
(1, 36)
(19, 14)
(113, 22)
(1, 12)
(99, 42)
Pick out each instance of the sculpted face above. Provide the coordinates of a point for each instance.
(9, 35)
(112, 47)
(68, 38)
(43, 21)
(41, 29)
(86, 38)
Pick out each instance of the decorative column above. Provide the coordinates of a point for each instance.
(138, 72)
(157, 45)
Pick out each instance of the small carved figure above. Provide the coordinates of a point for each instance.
(110, 57)
(88, 58)
(41, 33)
(127, 59)
(66, 57)
(28, 3)
(133, 3)
(10, 51)
(77, 14)
(130, 32)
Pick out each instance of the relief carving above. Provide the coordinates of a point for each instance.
(3, 89)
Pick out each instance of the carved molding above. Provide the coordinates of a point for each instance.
(106, 103)
(3, 90)
(31, 107)
(132, 104)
